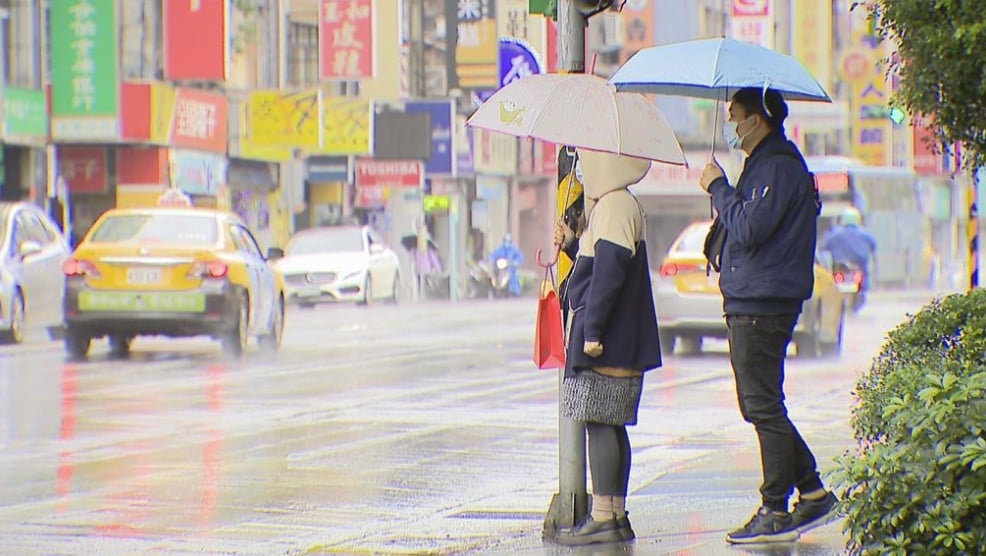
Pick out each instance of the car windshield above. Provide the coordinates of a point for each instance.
(693, 241)
(340, 240)
(176, 229)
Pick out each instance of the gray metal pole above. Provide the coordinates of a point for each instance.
(571, 503)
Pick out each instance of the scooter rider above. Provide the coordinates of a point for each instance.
(507, 250)
(852, 244)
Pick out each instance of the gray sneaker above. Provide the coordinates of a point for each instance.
(809, 514)
(765, 526)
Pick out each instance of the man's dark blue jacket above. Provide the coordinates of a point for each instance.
(771, 229)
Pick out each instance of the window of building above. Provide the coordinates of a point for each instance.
(302, 67)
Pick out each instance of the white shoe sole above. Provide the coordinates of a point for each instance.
(786, 536)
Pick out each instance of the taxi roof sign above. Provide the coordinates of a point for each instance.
(174, 198)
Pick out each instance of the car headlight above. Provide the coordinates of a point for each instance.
(352, 275)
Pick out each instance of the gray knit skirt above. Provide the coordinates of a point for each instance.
(594, 398)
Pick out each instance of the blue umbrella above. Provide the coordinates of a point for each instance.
(715, 68)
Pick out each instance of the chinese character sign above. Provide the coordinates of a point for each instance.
(753, 22)
(477, 54)
(345, 38)
(85, 78)
(872, 139)
(83, 168)
(199, 121)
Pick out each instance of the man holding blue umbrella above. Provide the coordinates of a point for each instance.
(769, 218)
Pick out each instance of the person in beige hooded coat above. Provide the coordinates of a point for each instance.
(611, 333)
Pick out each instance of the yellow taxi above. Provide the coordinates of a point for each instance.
(171, 270)
(689, 302)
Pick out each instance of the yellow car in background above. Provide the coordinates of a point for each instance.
(171, 271)
(689, 302)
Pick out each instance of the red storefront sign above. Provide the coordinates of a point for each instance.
(345, 39)
(83, 168)
(135, 109)
(195, 39)
(927, 162)
(372, 196)
(393, 173)
(199, 121)
(142, 165)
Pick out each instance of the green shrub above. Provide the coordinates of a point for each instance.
(917, 482)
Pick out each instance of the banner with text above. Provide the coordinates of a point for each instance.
(85, 80)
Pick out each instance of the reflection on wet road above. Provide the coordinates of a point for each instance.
(380, 429)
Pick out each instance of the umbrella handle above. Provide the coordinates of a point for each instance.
(550, 263)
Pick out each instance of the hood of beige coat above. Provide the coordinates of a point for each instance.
(603, 173)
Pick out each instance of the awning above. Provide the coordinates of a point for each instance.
(250, 174)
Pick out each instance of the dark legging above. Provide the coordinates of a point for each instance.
(609, 459)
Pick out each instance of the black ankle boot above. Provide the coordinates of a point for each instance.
(590, 531)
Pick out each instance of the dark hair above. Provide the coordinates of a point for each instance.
(770, 105)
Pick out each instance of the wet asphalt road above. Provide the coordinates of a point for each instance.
(387, 429)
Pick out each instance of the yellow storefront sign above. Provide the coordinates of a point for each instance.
(163, 98)
(282, 119)
(811, 42)
(872, 133)
(348, 126)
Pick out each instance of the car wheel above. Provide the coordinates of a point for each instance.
(18, 319)
(834, 349)
(809, 344)
(668, 342)
(691, 344)
(77, 343)
(271, 341)
(367, 292)
(395, 289)
(234, 340)
(120, 346)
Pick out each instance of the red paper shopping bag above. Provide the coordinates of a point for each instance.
(549, 340)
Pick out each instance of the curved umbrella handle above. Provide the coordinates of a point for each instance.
(550, 263)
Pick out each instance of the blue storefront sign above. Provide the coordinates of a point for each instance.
(517, 59)
(443, 154)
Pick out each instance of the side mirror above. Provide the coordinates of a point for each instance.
(275, 253)
(376, 248)
(28, 248)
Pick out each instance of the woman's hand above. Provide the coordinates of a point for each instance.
(563, 234)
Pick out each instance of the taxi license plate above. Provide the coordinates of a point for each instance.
(143, 276)
(309, 292)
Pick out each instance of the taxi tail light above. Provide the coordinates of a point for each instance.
(669, 269)
(79, 268)
(857, 277)
(208, 269)
(840, 277)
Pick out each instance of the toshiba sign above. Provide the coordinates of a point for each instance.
(393, 173)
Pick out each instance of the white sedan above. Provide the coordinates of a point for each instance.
(32, 251)
(339, 263)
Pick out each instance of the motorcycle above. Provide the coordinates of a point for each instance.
(849, 280)
(480, 283)
(500, 279)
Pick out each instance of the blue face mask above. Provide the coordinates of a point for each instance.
(730, 132)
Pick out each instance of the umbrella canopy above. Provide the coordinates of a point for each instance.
(715, 68)
(582, 111)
